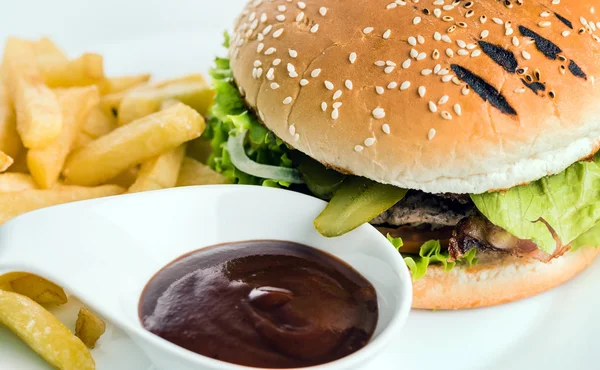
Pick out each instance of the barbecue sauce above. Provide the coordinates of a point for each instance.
(269, 304)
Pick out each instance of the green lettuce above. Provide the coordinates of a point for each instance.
(568, 203)
(590, 239)
(230, 115)
(430, 253)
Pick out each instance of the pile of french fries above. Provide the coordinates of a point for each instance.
(68, 132)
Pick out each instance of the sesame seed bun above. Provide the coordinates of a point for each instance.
(463, 98)
(496, 280)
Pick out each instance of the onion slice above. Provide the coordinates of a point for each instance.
(239, 158)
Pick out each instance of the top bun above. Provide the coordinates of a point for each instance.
(434, 95)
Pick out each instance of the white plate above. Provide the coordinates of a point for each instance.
(556, 330)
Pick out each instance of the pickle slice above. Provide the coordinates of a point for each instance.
(358, 200)
(320, 180)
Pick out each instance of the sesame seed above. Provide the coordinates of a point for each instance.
(555, 2)
(412, 41)
(293, 74)
(458, 109)
(337, 95)
(466, 90)
(276, 62)
(257, 63)
(462, 52)
(431, 134)
(335, 114)
(260, 37)
(297, 137)
(378, 113)
(437, 36)
(301, 5)
(315, 73)
(387, 34)
(545, 24)
(406, 64)
(386, 128)
(422, 91)
(323, 11)
(292, 130)
(267, 30)
(392, 85)
(277, 33)
(303, 82)
(485, 34)
(314, 28)
(348, 84)
(270, 51)
(447, 39)
(379, 90)
(508, 32)
(369, 141)
(352, 58)
(483, 19)
(443, 100)
(274, 86)
(449, 53)
(281, 8)
(421, 39)
(515, 41)
(475, 53)
(271, 74)
(435, 54)
(328, 85)
(421, 56)
(526, 55)
(417, 20)
(566, 33)
(324, 106)
(287, 100)
(414, 53)
(358, 148)
(368, 30)
(426, 72)
(498, 20)
(293, 53)
(432, 107)
(461, 44)
(260, 47)
(405, 85)
(389, 70)
(379, 63)
(300, 17)
(447, 78)
(263, 18)
(437, 12)
(545, 14)
(290, 67)
(259, 72)
(280, 17)
(446, 115)
(337, 105)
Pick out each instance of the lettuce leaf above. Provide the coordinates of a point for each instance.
(229, 114)
(569, 203)
(431, 253)
(590, 239)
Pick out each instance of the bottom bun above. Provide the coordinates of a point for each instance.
(496, 280)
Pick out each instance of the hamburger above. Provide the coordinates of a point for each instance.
(465, 131)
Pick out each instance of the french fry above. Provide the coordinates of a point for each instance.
(126, 178)
(98, 123)
(46, 164)
(82, 140)
(86, 70)
(119, 84)
(110, 103)
(44, 333)
(160, 172)
(47, 52)
(12, 181)
(134, 143)
(142, 102)
(89, 327)
(39, 118)
(5, 161)
(10, 142)
(39, 289)
(16, 203)
(195, 173)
